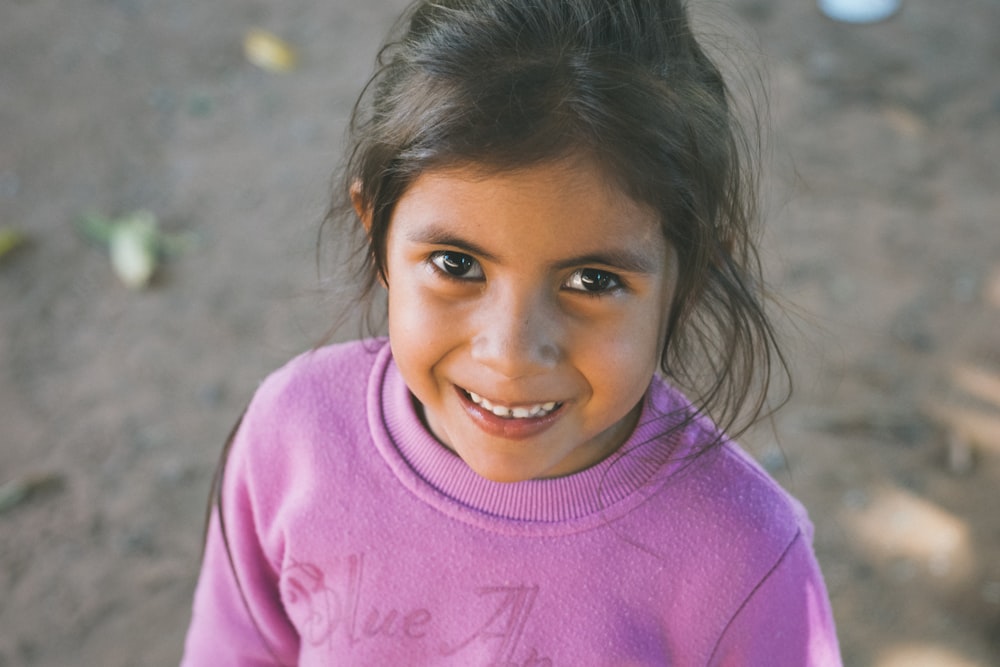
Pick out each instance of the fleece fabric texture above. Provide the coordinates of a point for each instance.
(355, 538)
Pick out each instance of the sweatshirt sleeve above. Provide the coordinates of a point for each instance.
(786, 621)
(238, 616)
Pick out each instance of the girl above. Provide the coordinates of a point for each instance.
(552, 194)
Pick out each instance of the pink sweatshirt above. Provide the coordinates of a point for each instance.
(357, 539)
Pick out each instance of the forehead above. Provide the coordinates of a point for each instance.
(547, 210)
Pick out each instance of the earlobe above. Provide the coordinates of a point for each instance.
(363, 211)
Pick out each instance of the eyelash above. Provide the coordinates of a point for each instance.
(612, 281)
(443, 259)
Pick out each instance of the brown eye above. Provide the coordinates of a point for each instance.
(457, 264)
(595, 281)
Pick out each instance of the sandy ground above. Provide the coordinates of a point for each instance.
(884, 242)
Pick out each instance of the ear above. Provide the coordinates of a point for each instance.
(364, 213)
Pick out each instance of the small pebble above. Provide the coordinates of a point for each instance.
(843, 290)
(965, 288)
(162, 100)
(138, 542)
(822, 66)
(10, 183)
(172, 472)
(211, 395)
(855, 499)
(773, 460)
(108, 42)
(903, 571)
(20, 490)
(200, 106)
(991, 290)
(909, 329)
(939, 565)
(147, 438)
(991, 592)
(961, 455)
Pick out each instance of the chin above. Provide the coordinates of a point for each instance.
(505, 474)
(502, 476)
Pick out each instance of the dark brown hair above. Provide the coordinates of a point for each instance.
(505, 84)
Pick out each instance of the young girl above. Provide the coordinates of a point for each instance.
(553, 195)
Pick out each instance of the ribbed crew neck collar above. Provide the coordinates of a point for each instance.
(442, 478)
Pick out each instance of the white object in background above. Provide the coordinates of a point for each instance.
(859, 11)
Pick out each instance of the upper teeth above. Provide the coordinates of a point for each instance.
(521, 412)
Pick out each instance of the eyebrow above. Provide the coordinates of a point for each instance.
(435, 236)
(622, 259)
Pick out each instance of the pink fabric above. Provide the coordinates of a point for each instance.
(357, 539)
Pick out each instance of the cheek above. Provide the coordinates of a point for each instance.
(416, 313)
(406, 310)
(411, 352)
(405, 319)
(420, 333)
(620, 362)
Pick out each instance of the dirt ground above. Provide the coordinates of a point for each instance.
(883, 241)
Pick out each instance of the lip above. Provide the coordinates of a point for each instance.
(510, 429)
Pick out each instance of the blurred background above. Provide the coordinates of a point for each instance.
(883, 241)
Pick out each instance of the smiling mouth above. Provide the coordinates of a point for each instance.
(520, 412)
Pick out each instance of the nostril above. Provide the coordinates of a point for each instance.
(519, 331)
(514, 355)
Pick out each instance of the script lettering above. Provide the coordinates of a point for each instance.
(504, 626)
(321, 610)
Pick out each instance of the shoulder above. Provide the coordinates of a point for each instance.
(721, 484)
(767, 583)
(734, 507)
(757, 505)
(334, 371)
(736, 542)
(735, 521)
(305, 428)
(316, 395)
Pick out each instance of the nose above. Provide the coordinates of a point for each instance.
(518, 334)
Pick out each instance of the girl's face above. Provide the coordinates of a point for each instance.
(527, 312)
